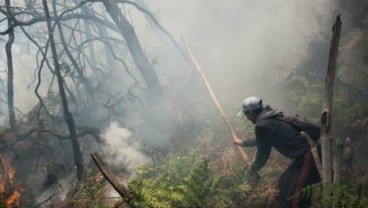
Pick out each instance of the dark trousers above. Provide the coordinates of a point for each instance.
(301, 173)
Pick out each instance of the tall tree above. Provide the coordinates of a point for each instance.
(8, 49)
(135, 49)
(68, 117)
(84, 80)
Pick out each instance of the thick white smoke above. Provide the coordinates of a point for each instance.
(121, 149)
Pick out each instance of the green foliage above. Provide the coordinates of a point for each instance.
(190, 181)
(305, 97)
(92, 192)
(182, 182)
(344, 196)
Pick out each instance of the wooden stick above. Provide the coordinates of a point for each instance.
(314, 151)
(120, 188)
(217, 104)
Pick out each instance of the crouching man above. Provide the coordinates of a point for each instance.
(271, 132)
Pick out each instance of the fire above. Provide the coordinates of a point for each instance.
(13, 200)
(7, 168)
(1, 185)
(6, 183)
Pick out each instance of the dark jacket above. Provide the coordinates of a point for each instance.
(270, 133)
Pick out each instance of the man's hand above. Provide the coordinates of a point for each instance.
(254, 178)
(239, 142)
(246, 143)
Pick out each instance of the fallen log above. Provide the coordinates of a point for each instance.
(111, 178)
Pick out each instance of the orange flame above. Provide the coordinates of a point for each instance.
(6, 182)
(7, 167)
(2, 186)
(13, 200)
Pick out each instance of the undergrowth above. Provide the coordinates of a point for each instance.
(190, 181)
(342, 196)
(91, 193)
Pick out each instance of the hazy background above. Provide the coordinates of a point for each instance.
(243, 46)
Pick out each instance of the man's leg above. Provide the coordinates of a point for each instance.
(284, 183)
(305, 175)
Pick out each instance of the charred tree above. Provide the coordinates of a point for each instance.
(326, 124)
(9, 57)
(135, 49)
(68, 117)
(76, 66)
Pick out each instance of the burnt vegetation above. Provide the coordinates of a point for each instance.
(98, 91)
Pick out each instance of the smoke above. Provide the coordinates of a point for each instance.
(243, 46)
(121, 148)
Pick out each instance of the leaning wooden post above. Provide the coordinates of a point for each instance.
(218, 106)
(119, 187)
(326, 129)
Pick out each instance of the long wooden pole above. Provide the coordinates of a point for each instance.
(217, 104)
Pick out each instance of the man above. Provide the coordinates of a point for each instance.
(271, 131)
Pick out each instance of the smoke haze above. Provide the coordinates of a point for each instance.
(243, 46)
(121, 149)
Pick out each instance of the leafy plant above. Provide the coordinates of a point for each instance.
(91, 193)
(193, 180)
(182, 182)
(185, 181)
(344, 196)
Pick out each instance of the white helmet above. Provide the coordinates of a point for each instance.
(250, 103)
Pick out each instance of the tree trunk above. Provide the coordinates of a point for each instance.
(87, 29)
(81, 76)
(337, 161)
(326, 129)
(68, 117)
(9, 56)
(145, 67)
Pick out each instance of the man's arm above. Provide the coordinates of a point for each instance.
(250, 142)
(247, 142)
(263, 148)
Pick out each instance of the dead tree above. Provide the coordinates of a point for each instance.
(326, 124)
(135, 49)
(76, 66)
(68, 117)
(10, 86)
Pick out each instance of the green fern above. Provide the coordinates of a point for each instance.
(182, 182)
(344, 196)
